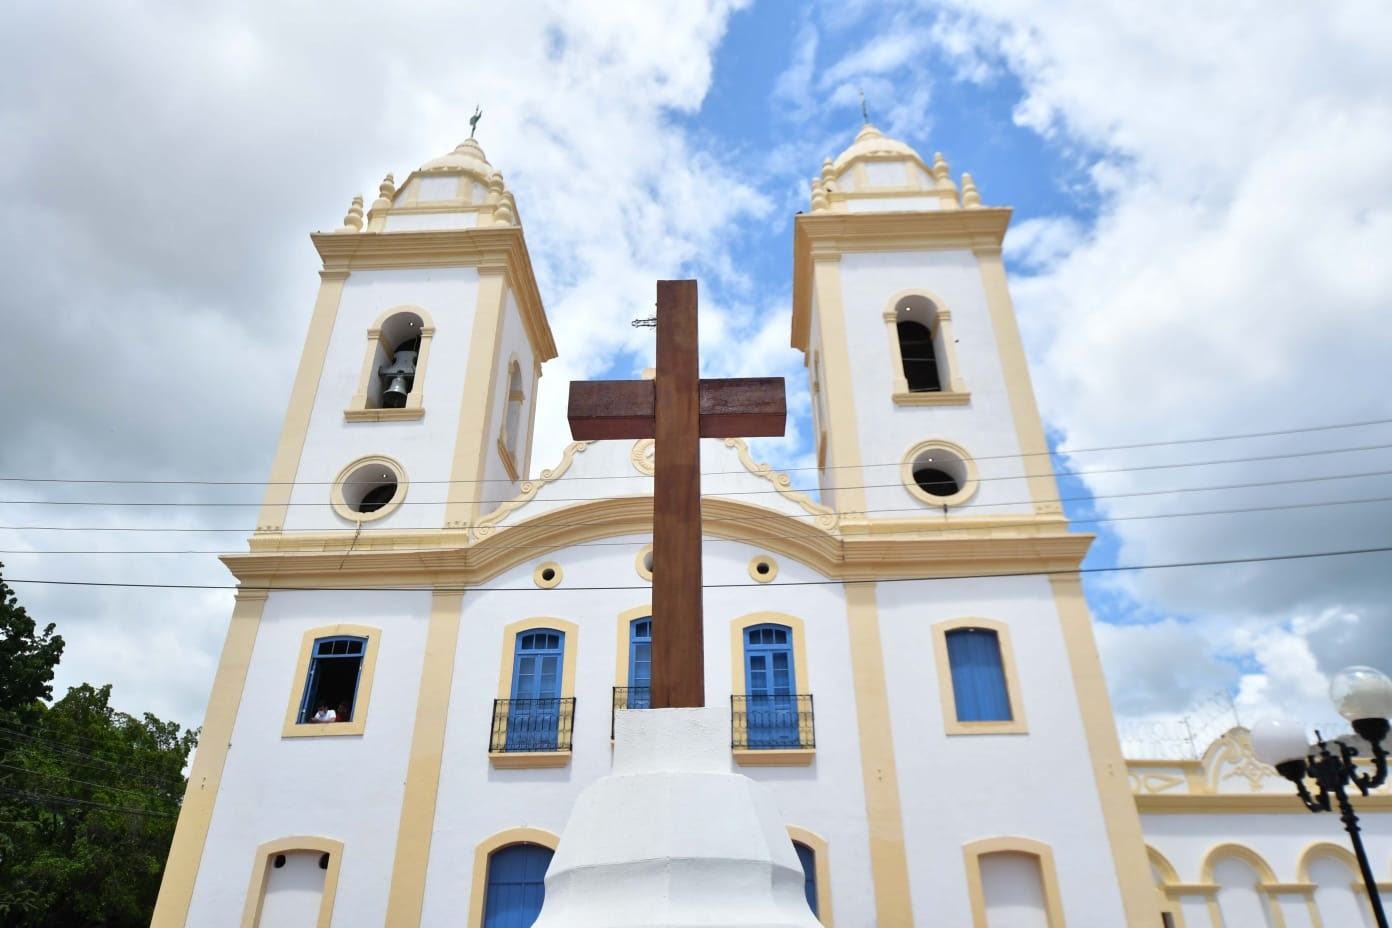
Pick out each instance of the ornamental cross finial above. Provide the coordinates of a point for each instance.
(864, 113)
(474, 120)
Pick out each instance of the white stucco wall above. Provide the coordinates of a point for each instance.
(961, 788)
(424, 447)
(345, 787)
(499, 487)
(985, 427)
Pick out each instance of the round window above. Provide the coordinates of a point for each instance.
(368, 489)
(939, 473)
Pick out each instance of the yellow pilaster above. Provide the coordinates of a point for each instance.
(476, 406)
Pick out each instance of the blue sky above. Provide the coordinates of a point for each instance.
(1202, 215)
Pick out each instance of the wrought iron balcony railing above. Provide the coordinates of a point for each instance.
(772, 722)
(532, 725)
(629, 697)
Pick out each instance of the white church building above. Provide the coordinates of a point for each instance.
(429, 647)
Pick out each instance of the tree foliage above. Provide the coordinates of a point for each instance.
(88, 795)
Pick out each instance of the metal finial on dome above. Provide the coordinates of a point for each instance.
(864, 113)
(474, 119)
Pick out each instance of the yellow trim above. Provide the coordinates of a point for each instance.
(384, 415)
(539, 578)
(286, 464)
(1016, 725)
(938, 398)
(1048, 876)
(625, 620)
(421, 793)
(340, 505)
(209, 760)
(774, 757)
(526, 468)
(824, 236)
(1325, 849)
(485, 848)
(801, 671)
(415, 400)
(508, 444)
(964, 492)
(889, 868)
(466, 489)
(260, 870)
(770, 568)
(1265, 875)
(516, 760)
(1029, 427)
(1241, 803)
(821, 862)
(640, 562)
(292, 729)
(1169, 901)
(954, 388)
(509, 465)
(1118, 807)
(843, 434)
(499, 248)
(569, 658)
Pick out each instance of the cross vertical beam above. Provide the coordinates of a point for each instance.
(678, 658)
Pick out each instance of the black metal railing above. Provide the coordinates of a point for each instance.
(629, 697)
(772, 722)
(532, 725)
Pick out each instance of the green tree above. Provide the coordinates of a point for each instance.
(88, 795)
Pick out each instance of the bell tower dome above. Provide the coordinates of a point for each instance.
(413, 405)
(923, 411)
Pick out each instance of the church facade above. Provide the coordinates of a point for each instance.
(428, 646)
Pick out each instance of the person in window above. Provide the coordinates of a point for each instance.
(324, 714)
(341, 714)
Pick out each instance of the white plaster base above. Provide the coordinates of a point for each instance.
(673, 838)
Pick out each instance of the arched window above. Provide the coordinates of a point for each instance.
(516, 885)
(978, 675)
(917, 355)
(508, 436)
(640, 663)
(770, 686)
(534, 711)
(808, 858)
(389, 385)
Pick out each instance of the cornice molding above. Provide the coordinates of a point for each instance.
(828, 235)
(492, 248)
(1262, 804)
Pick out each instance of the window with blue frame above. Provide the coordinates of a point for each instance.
(770, 687)
(978, 676)
(534, 711)
(331, 688)
(640, 663)
(808, 858)
(516, 885)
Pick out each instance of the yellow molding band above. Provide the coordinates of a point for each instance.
(1029, 427)
(774, 757)
(848, 493)
(1118, 806)
(209, 759)
(889, 867)
(1242, 803)
(286, 463)
(1048, 876)
(256, 893)
(476, 403)
(406, 897)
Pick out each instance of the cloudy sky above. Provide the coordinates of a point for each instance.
(1199, 257)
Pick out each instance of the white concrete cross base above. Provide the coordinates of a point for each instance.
(672, 838)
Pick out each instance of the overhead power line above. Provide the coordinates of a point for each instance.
(1272, 433)
(1218, 562)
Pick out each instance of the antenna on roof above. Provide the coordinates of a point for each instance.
(474, 120)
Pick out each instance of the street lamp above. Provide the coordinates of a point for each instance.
(1364, 697)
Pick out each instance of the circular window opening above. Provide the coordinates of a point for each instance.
(644, 562)
(763, 568)
(547, 575)
(939, 473)
(369, 488)
(279, 861)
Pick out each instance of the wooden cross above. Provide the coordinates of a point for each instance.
(677, 409)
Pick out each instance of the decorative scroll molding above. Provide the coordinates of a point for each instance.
(489, 523)
(1231, 757)
(824, 517)
(1151, 783)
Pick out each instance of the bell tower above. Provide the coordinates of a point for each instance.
(923, 412)
(414, 400)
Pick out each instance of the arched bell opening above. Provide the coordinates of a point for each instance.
(398, 349)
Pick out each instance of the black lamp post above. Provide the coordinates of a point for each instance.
(1364, 697)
